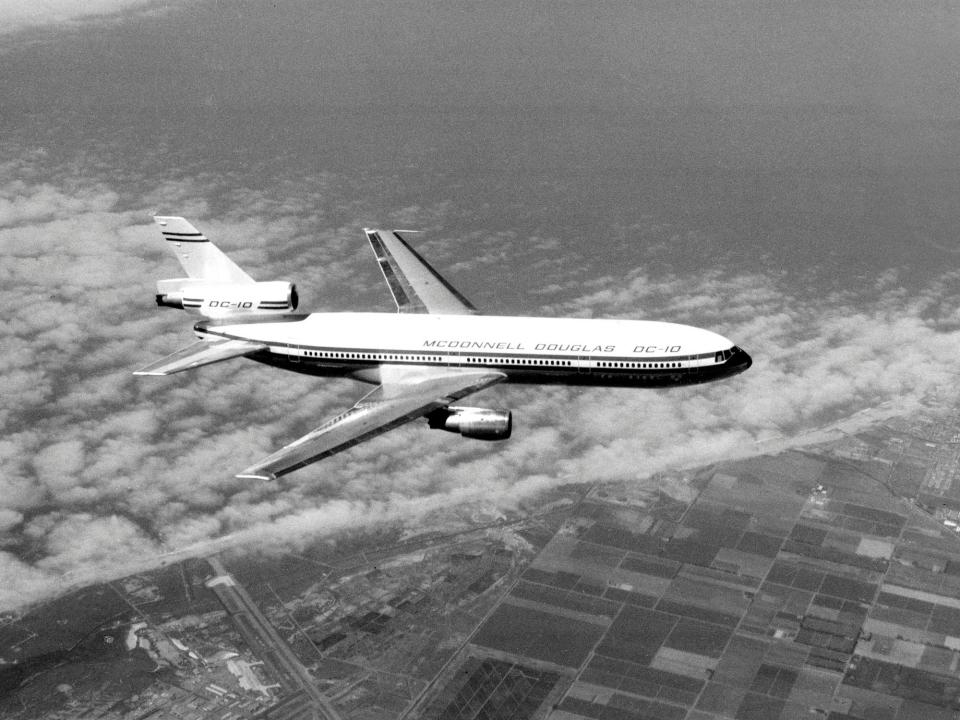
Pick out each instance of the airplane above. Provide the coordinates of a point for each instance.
(435, 350)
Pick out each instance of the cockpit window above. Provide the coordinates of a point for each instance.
(724, 355)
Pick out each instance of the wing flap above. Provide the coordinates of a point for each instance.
(416, 287)
(383, 409)
(202, 352)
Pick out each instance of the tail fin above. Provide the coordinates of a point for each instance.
(199, 257)
(216, 286)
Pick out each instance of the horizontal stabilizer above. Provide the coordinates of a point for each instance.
(203, 352)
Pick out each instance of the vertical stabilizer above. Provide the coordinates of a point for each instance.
(199, 257)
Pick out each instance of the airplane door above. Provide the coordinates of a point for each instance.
(583, 364)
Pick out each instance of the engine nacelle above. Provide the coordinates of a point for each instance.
(214, 299)
(471, 422)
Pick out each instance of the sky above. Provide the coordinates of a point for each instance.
(783, 173)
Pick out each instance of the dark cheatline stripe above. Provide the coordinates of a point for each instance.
(184, 237)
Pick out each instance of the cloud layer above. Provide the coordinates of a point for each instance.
(103, 472)
(16, 16)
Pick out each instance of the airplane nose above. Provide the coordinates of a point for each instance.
(742, 361)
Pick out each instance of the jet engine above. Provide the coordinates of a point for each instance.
(214, 299)
(471, 422)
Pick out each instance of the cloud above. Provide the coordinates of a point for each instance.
(219, 114)
(57, 465)
(88, 543)
(9, 519)
(104, 472)
(25, 582)
(16, 15)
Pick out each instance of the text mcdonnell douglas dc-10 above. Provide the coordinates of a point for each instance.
(421, 360)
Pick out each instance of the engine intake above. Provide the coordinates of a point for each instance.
(471, 422)
(222, 299)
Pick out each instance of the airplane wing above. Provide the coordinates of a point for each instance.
(384, 408)
(415, 285)
(202, 352)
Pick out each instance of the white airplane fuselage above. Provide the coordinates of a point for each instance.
(375, 347)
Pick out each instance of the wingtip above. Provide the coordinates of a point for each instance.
(248, 475)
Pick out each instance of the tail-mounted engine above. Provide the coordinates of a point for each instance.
(476, 423)
(215, 299)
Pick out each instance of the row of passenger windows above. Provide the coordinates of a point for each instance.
(484, 361)
(429, 358)
(639, 365)
(370, 356)
(517, 361)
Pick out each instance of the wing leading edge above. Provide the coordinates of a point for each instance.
(382, 409)
(416, 287)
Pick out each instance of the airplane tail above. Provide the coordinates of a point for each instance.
(200, 258)
(215, 286)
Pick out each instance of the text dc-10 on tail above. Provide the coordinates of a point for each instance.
(437, 350)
